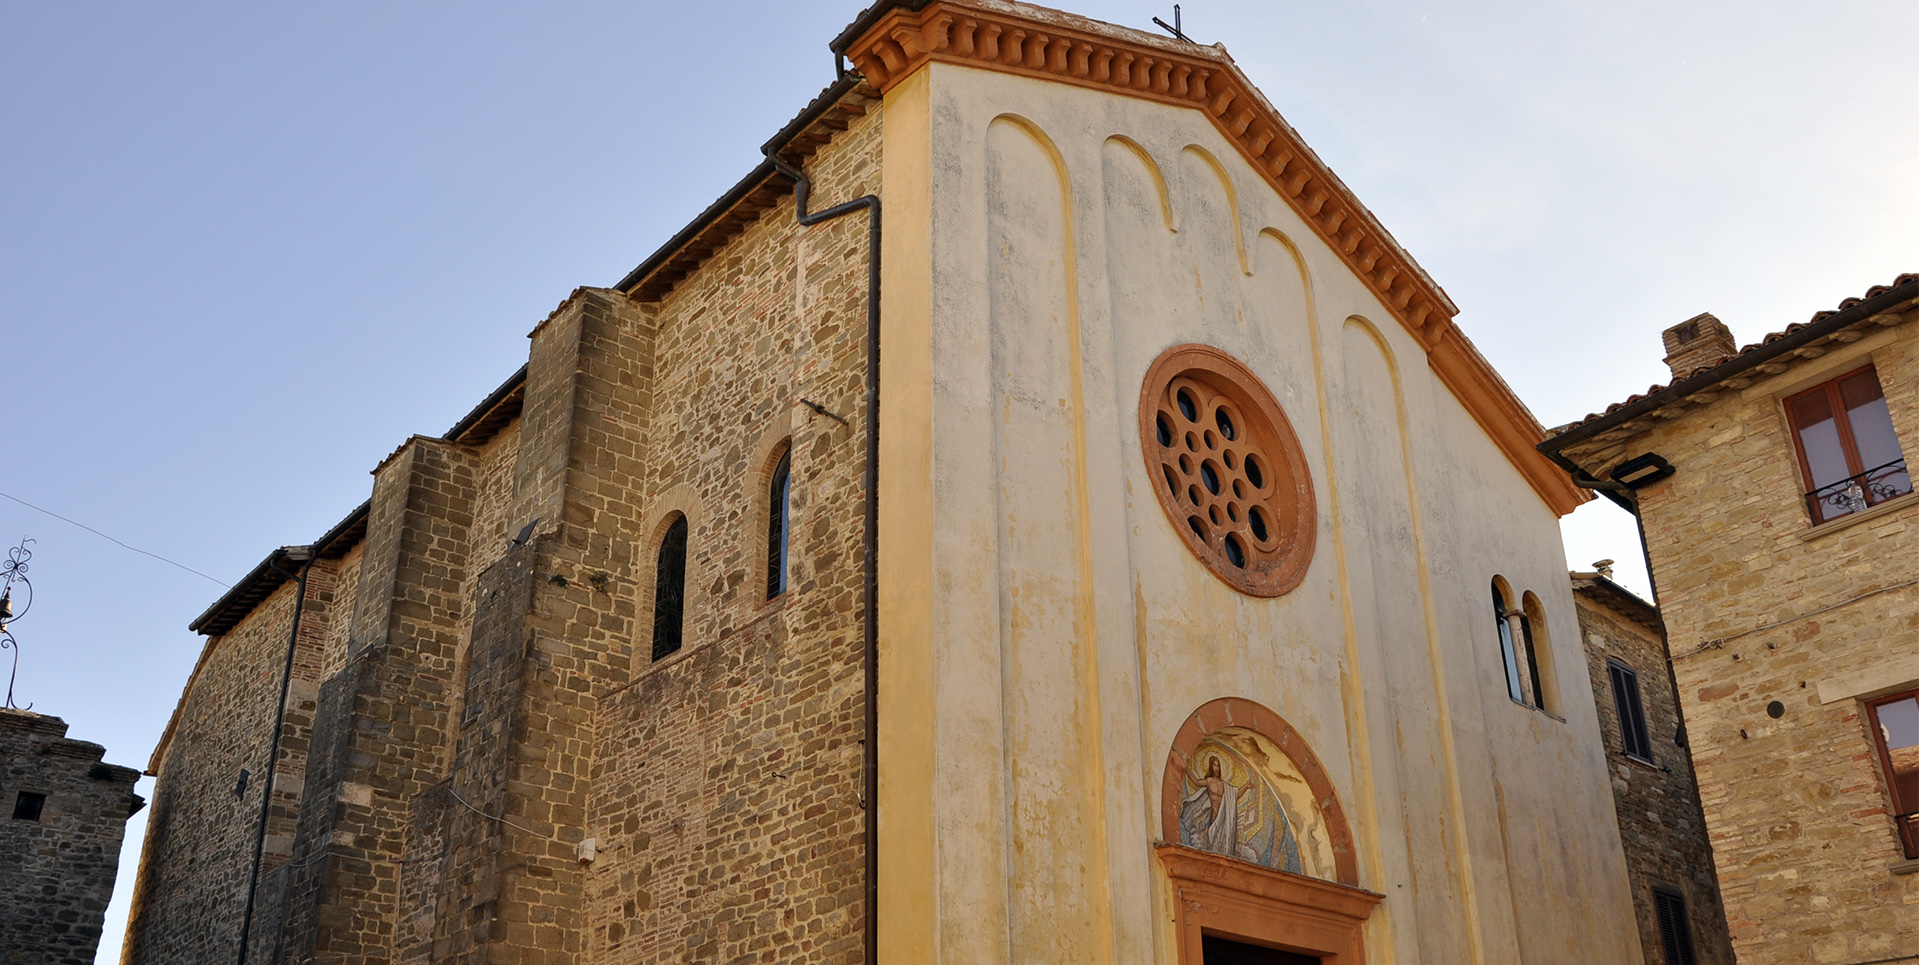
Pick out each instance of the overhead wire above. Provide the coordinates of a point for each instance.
(116, 542)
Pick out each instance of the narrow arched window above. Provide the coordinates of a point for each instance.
(1507, 655)
(670, 589)
(1539, 649)
(1533, 659)
(779, 525)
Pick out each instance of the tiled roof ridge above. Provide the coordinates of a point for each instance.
(1617, 598)
(1851, 301)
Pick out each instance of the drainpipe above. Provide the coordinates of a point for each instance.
(1623, 496)
(293, 554)
(870, 534)
(1627, 499)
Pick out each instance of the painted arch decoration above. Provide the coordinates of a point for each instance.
(1242, 783)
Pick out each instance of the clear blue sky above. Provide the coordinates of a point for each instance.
(247, 249)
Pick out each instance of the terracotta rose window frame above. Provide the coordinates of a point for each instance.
(1228, 469)
(1221, 896)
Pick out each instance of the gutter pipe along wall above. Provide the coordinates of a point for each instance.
(870, 542)
(870, 530)
(305, 556)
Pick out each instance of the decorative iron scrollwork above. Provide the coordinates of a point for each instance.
(14, 570)
(1855, 493)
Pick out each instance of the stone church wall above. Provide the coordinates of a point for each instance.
(202, 818)
(467, 706)
(727, 785)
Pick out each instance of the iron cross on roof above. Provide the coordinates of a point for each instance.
(1174, 28)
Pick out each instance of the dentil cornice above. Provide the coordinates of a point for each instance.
(1050, 45)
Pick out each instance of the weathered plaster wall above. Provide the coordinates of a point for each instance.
(1074, 236)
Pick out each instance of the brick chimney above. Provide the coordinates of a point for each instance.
(1697, 343)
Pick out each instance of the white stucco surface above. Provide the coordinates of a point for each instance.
(1075, 236)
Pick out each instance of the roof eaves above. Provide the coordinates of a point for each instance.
(493, 413)
(1879, 299)
(815, 109)
(260, 582)
(256, 586)
(761, 172)
(707, 232)
(867, 18)
(344, 535)
(1620, 599)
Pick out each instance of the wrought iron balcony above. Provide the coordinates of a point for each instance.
(1855, 493)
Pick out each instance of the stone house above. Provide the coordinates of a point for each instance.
(1669, 860)
(63, 813)
(1130, 606)
(1779, 521)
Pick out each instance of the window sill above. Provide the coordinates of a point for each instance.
(765, 610)
(1906, 867)
(772, 604)
(1891, 506)
(1542, 711)
(1638, 761)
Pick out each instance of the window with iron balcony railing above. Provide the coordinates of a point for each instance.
(1849, 454)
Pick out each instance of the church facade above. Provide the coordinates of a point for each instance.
(1113, 552)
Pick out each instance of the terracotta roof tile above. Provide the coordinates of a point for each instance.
(1819, 316)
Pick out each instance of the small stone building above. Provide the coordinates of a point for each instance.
(1772, 485)
(1089, 565)
(1669, 860)
(62, 816)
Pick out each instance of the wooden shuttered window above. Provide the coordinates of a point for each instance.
(1676, 938)
(1632, 713)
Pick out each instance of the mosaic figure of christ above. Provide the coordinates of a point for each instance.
(1228, 809)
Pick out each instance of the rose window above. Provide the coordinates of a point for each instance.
(1228, 469)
